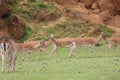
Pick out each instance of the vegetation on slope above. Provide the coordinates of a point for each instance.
(72, 28)
(37, 14)
(26, 13)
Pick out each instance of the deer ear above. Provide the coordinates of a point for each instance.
(82, 35)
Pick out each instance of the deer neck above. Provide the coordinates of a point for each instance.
(53, 41)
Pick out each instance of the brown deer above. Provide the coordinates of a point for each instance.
(59, 43)
(74, 46)
(8, 51)
(84, 41)
(113, 43)
(29, 47)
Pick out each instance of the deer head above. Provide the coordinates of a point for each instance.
(4, 44)
(82, 35)
(51, 38)
(42, 43)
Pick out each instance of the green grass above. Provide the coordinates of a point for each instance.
(99, 65)
(73, 28)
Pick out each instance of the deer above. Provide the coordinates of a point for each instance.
(113, 43)
(73, 48)
(29, 47)
(58, 43)
(91, 42)
(8, 52)
(64, 42)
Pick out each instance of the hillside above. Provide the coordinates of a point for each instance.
(35, 19)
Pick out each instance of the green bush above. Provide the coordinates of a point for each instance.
(27, 31)
(107, 31)
(67, 28)
(42, 37)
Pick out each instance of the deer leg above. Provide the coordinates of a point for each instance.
(13, 62)
(26, 54)
(108, 49)
(57, 52)
(52, 51)
(76, 53)
(8, 63)
(3, 58)
(72, 50)
(90, 49)
(115, 49)
(12, 65)
(70, 54)
(46, 52)
(26, 57)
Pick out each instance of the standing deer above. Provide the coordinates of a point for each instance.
(73, 48)
(29, 47)
(84, 41)
(8, 51)
(59, 43)
(113, 43)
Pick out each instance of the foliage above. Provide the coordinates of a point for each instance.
(69, 28)
(102, 28)
(75, 28)
(48, 12)
(27, 31)
(35, 11)
(42, 37)
(107, 31)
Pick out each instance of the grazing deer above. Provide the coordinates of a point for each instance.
(29, 47)
(8, 52)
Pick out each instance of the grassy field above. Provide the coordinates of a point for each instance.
(98, 65)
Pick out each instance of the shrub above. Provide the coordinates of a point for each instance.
(107, 31)
(27, 31)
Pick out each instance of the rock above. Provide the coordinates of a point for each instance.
(115, 21)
